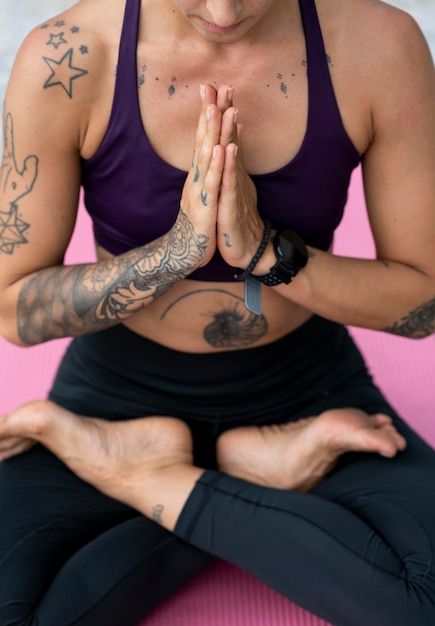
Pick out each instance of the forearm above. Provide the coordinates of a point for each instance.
(374, 294)
(75, 300)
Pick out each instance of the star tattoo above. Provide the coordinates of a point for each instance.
(84, 49)
(59, 23)
(11, 230)
(56, 40)
(75, 29)
(63, 72)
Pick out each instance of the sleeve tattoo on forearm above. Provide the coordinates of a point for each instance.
(68, 301)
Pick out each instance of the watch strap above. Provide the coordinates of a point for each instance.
(240, 274)
(271, 279)
(285, 269)
(252, 293)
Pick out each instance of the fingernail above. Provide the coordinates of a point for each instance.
(214, 151)
(230, 93)
(236, 111)
(202, 92)
(208, 112)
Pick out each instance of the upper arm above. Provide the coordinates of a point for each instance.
(399, 166)
(44, 121)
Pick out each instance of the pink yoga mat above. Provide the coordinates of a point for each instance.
(226, 596)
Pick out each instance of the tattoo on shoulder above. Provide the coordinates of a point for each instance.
(17, 180)
(232, 325)
(64, 69)
(417, 324)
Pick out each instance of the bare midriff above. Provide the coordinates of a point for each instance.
(196, 316)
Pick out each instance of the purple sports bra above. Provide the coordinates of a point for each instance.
(133, 196)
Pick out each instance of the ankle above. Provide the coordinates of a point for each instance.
(166, 491)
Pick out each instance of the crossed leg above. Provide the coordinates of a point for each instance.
(358, 547)
(71, 556)
(147, 463)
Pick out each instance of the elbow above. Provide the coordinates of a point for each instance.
(9, 330)
(10, 318)
(11, 336)
(418, 334)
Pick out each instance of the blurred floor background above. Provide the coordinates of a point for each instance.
(18, 17)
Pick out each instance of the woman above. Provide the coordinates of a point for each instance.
(210, 380)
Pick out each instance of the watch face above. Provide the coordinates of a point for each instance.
(287, 249)
(291, 249)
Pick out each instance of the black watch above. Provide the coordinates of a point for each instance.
(292, 255)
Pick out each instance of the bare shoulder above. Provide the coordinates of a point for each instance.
(382, 33)
(63, 61)
(386, 56)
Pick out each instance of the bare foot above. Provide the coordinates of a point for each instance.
(298, 455)
(145, 463)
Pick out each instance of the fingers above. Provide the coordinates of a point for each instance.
(228, 134)
(212, 180)
(224, 102)
(202, 186)
(207, 167)
(224, 97)
(216, 128)
(208, 97)
(208, 130)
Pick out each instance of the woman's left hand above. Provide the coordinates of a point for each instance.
(239, 225)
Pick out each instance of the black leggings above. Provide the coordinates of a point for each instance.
(357, 550)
